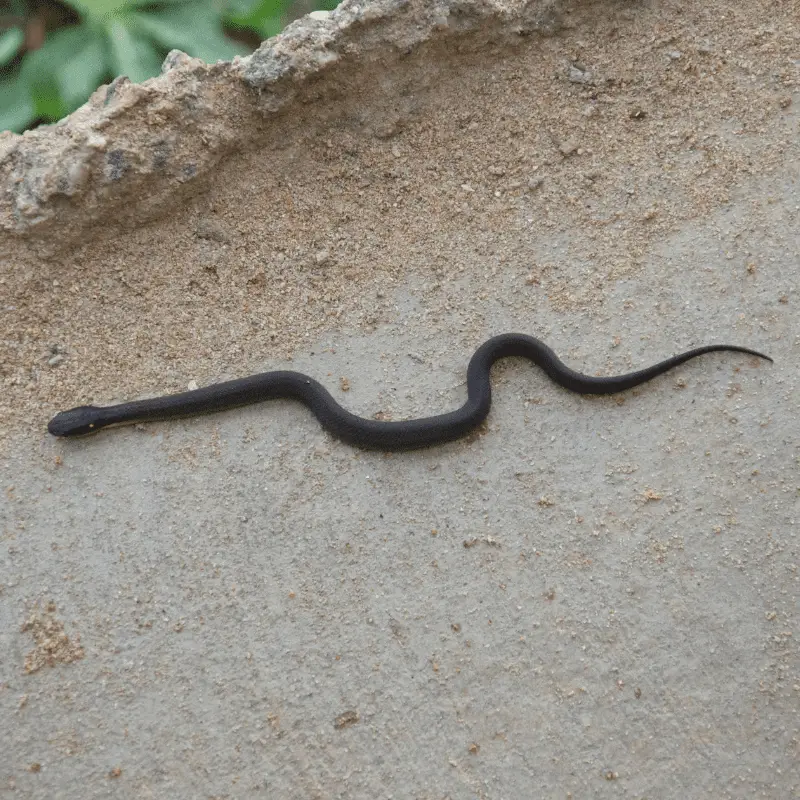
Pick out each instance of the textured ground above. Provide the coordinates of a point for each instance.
(588, 598)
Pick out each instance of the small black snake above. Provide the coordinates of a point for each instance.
(370, 434)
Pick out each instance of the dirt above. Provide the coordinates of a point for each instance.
(451, 169)
(53, 645)
(586, 597)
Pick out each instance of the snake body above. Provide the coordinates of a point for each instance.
(369, 433)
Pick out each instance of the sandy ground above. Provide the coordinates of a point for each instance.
(587, 598)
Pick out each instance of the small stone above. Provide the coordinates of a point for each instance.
(322, 256)
(576, 74)
(55, 360)
(211, 230)
(674, 54)
(389, 128)
(174, 59)
(568, 148)
(344, 720)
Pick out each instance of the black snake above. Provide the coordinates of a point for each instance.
(370, 433)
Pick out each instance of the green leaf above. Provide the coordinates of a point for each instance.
(132, 54)
(263, 16)
(47, 101)
(10, 44)
(195, 29)
(66, 69)
(252, 13)
(17, 110)
(81, 74)
(58, 48)
(103, 10)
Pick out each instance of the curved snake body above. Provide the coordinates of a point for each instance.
(369, 433)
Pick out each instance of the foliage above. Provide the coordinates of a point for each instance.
(105, 38)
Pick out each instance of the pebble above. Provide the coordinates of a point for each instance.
(569, 147)
(577, 75)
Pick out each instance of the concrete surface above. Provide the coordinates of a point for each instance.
(591, 598)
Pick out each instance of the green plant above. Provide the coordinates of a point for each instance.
(106, 38)
(15, 107)
(267, 17)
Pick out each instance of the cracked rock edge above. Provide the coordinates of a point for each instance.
(133, 141)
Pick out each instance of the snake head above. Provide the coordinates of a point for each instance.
(75, 422)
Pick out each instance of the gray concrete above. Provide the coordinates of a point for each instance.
(508, 617)
(591, 598)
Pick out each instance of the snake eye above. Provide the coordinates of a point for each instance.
(75, 422)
